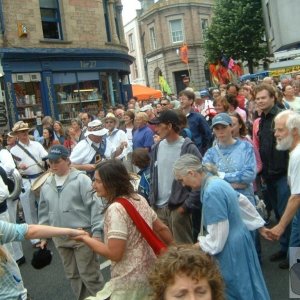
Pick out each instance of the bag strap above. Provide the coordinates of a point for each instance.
(30, 155)
(154, 242)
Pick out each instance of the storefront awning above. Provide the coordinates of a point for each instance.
(144, 93)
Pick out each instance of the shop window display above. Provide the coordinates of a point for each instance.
(75, 93)
(28, 100)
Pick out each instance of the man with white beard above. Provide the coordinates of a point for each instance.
(287, 133)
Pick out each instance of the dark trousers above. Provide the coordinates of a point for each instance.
(278, 192)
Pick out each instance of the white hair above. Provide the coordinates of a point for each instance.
(292, 119)
(190, 162)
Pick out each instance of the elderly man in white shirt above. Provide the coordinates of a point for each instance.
(116, 136)
(8, 165)
(94, 148)
(28, 156)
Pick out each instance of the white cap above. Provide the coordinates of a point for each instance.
(146, 107)
(96, 128)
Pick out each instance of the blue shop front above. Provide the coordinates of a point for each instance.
(63, 82)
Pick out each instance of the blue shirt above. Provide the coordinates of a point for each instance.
(201, 133)
(238, 163)
(143, 138)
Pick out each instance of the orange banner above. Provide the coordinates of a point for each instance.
(183, 52)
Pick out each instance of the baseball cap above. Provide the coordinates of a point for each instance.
(56, 152)
(221, 118)
(204, 93)
(168, 116)
(146, 107)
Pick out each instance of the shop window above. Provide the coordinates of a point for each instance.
(176, 31)
(51, 22)
(77, 92)
(28, 97)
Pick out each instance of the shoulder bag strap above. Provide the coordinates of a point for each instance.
(30, 155)
(154, 242)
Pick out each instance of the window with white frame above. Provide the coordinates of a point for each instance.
(153, 38)
(130, 42)
(176, 31)
(204, 26)
(51, 22)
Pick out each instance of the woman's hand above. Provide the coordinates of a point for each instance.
(78, 234)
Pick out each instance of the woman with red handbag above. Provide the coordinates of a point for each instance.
(130, 228)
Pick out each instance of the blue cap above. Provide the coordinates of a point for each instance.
(221, 118)
(56, 152)
(204, 93)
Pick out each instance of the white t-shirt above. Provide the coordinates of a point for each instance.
(167, 154)
(116, 138)
(83, 152)
(295, 105)
(294, 171)
(36, 150)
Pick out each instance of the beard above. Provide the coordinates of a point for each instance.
(284, 144)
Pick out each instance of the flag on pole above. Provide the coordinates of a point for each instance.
(164, 85)
(183, 53)
(231, 63)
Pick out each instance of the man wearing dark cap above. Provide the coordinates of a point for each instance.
(171, 201)
(66, 200)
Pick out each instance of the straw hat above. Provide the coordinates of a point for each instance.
(20, 126)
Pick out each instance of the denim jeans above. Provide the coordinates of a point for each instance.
(295, 234)
(279, 193)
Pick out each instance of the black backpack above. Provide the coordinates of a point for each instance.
(9, 182)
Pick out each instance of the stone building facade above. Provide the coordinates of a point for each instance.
(60, 57)
(165, 26)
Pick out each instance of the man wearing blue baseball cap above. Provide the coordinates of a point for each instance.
(66, 200)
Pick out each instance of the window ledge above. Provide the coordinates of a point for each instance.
(54, 41)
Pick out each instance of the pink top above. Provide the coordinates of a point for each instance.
(242, 113)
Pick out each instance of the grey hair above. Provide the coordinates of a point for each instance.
(190, 162)
(292, 119)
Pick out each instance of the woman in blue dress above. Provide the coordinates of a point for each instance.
(228, 238)
(234, 158)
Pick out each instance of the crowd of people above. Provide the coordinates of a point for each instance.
(203, 161)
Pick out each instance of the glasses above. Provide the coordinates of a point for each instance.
(164, 104)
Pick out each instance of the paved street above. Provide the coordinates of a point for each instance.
(50, 283)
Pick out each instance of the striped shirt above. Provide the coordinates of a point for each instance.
(11, 282)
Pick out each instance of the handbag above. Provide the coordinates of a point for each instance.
(148, 234)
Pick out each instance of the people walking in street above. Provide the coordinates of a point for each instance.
(66, 200)
(275, 163)
(28, 156)
(94, 148)
(287, 133)
(124, 244)
(11, 282)
(172, 202)
(227, 238)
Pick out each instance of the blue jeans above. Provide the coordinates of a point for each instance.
(295, 234)
(279, 193)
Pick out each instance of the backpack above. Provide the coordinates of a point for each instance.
(9, 182)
